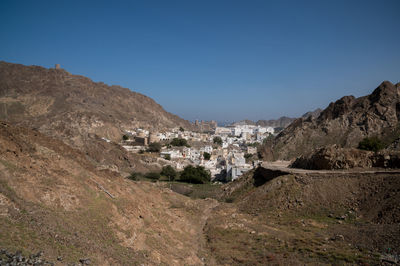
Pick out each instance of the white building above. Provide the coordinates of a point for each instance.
(223, 131)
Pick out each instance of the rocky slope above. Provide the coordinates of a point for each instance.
(344, 122)
(52, 199)
(333, 157)
(77, 110)
(278, 218)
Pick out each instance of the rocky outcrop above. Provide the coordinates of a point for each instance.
(344, 123)
(313, 114)
(334, 157)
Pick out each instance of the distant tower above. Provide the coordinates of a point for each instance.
(58, 66)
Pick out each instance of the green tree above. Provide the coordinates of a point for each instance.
(125, 137)
(167, 157)
(152, 175)
(168, 171)
(206, 156)
(154, 147)
(195, 175)
(217, 140)
(371, 144)
(181, 129)
(179, 142)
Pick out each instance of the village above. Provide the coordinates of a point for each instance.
(227, 152)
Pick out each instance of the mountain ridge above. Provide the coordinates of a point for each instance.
(344, 122)
(281, 122)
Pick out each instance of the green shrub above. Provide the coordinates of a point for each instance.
(206, 156)
(125, 137)
(153, 175)
(217, 140)
(195, 175)
(168, 171)
(154, 147)
(371, 144)
(179, 142)
(135, 176)
(167, 157)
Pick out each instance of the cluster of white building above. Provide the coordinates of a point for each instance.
(227, 161)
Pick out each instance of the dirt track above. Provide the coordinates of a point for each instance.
(284, 167)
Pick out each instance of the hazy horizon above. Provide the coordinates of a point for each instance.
(214, 60)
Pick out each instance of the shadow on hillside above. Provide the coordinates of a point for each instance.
(263, 175)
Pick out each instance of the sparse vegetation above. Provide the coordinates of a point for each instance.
(254, 144)
(154, 147)
(195, 175)
(217, 140)
(169, 172)
(197, 191)
(152, 175)
(134, 176)
(371, 144)
(179, 142)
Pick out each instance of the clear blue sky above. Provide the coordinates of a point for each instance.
(222, 60)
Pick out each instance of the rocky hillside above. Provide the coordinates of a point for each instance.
(333, 157)
(77, 110)
(331, 218)
(344, 122)
(313, 114)
(53, 200)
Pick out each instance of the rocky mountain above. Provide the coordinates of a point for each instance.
(282, 122)
(313, 114)
(77, 110)
(334, 158)
(344, 122)
(244, 122)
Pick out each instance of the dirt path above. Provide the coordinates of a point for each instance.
(203, 251)
(284, 166)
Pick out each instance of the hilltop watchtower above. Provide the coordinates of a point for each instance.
(58, 66)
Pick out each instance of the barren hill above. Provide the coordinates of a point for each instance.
(53, 199)
(77, 110)
(344, 122)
